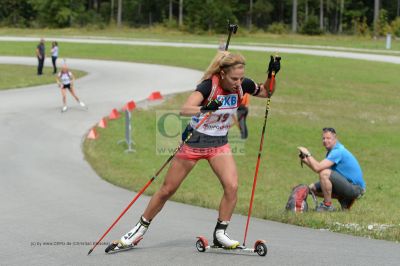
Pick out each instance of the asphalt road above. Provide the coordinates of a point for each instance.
(53, 205)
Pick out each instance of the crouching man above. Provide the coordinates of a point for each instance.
(340, 174)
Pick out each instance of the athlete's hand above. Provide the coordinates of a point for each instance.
(274, 65)
(211, 106)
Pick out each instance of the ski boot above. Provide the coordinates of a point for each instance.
(130, 239)
(221, 238)
(83, 105)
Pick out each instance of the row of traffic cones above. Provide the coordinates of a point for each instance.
(129, 106)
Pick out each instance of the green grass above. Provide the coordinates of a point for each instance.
(242, 37)
(20, 76)
(313, 92)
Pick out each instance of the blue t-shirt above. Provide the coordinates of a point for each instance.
(346, 164)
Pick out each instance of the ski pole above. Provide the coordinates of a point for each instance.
(232, 28)
(271, 84)
(150, 181)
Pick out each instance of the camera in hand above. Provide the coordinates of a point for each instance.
(302, 155)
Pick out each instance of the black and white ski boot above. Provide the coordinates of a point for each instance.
(130, 239)
(221, 238)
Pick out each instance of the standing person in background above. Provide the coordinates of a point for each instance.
(242, 113)
(221, 46)
(40, 51)
(54, 56)
(65, 80)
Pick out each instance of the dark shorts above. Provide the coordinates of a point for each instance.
(341, 187)
(66, 86)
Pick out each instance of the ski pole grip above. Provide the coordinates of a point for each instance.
(232, 28)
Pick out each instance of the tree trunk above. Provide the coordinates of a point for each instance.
(170, 11)
(250, 15)
(341, 16)
(294, 16)
(119, 13)
(150, 18)
(112, 11)
(139, 10)
(376, 17)
(335, 25)
(306, 10)
(180, 13)
(14, 17)
(327, 15)
(321, 14)
(70, 17)
(96, 5)
(398, 8)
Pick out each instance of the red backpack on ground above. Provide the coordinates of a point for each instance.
(297, 201)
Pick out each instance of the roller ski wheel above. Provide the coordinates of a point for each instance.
(260, 247)
(201, 244)
(118, 246)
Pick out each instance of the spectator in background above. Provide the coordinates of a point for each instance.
(221, 46)
(54, 56)
(40, 51)
(340, 174)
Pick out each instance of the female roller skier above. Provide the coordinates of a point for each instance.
(65, 80)
(218, 96)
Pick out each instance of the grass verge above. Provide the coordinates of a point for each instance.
(20, 76)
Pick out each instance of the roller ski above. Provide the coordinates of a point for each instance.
(118, 246)
(259, 247)
(222, 242)
(130, 239)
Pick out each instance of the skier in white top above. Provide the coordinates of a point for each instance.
(65, 80)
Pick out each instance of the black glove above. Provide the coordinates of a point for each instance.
(274, 65)
(185, 134)
(211, 106)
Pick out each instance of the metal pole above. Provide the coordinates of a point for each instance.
(128, 131)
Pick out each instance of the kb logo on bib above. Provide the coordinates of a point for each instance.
(228, 101)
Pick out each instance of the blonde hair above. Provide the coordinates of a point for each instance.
(64, 67)
(225, 61)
